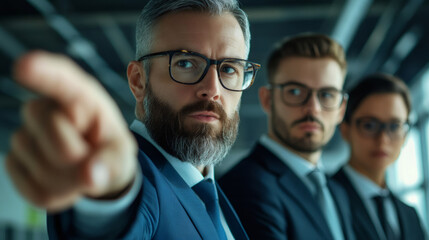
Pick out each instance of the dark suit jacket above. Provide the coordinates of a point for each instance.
(409, 222)
(167, 208)
(273, 203)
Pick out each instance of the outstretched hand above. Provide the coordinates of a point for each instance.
(73, 142)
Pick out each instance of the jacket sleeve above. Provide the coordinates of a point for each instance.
(134, 216)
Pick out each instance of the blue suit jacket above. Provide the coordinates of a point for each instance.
(274, 203)
(409, 222)
(166, 208)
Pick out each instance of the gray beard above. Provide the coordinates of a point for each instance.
(201, 151)
(200, 146)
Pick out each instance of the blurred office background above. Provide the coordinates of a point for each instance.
(378, 35)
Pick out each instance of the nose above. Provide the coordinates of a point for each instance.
(209, 88)
(383, 137)
(313, 105)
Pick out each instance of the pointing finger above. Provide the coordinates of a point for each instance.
(53, 76)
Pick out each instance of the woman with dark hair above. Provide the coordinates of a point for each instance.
(375, 126)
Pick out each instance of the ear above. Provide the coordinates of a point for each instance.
(345, 129)
(265, 99)
(136, 79)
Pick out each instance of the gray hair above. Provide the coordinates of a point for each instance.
(154, 9)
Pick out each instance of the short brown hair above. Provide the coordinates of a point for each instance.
(309, 45)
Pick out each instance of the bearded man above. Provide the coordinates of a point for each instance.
(75, 157)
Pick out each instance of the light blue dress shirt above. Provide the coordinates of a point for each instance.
(93, 216)
(367, 190)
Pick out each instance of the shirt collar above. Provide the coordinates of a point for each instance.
(297, 164)
(364, 186)
(190, 174)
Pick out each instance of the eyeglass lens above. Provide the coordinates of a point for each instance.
(189, 68)
(372, 127)
(295, 94)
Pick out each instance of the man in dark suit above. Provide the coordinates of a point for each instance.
(75, 157)
(375, 126)
(274, 189)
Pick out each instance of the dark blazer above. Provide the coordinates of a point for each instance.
(273, 203)
(166, 208)
(409, 222)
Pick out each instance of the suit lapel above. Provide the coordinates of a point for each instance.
(231, 217)
(186, 196)
(404, 221)
(295, 188)
(361, 218)
(191, 203)
(342, 207)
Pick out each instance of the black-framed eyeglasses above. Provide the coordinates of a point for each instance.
(372, 127)
(188, 67)
(297, 94)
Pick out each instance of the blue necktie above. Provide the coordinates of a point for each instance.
(206, 190)
(381, 211)
(326, 203)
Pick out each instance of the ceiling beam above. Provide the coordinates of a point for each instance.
(360, 64)
(419, 87)
(10, 88)
(273, 14)
(384, 37)
(402, 49)
(9, 45)
(117, 38)
(351, 17)
(80, 47)
(255, 14)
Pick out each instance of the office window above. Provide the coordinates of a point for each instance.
(406, 176)
(406, 172)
